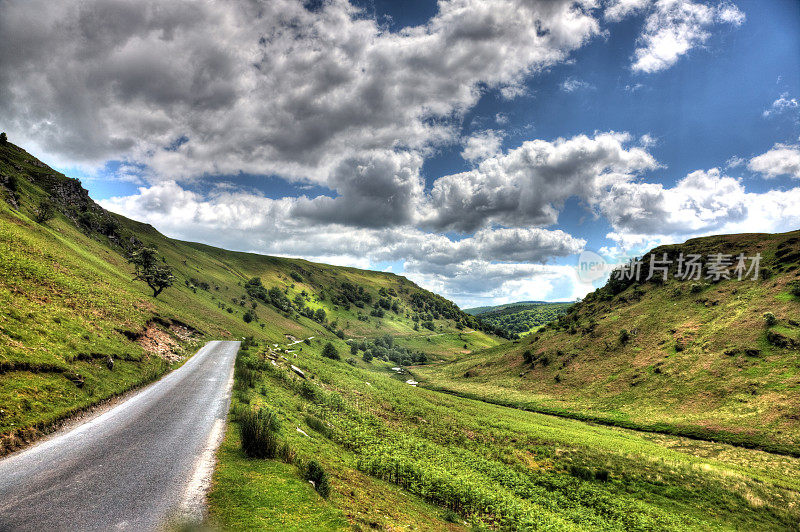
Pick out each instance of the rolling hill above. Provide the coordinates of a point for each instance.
(519, 319)
(75, 328)
(707, 358)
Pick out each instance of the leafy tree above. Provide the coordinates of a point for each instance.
(319, 315)
(148, 268)
(249, 316)
(46, 211)
(330, 351)
(3, 139)
(367, 356)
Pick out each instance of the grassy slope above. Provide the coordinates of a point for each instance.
(697, 362)
(497, 467)
(67, 300)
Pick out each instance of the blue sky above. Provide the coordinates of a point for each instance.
(476, 147)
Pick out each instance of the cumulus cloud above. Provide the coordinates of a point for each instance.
(704, 202)
(782, 105)
(529, 184)
(782, 159)
(514, 257)
(672, 28)
(261, 87)
(481, 145)
(617, 10)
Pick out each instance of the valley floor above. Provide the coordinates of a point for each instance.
(402, 457)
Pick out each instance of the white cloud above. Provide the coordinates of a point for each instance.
(620, 9)
(782, 159)
(482, 144)
(734, 162)
(674, 27)
(262, 87)
(529, 184)
(644, 215)
(572, 84)
(782, 105)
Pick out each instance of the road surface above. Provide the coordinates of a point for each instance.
(136, 466)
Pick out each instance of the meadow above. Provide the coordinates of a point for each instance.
(440, 461)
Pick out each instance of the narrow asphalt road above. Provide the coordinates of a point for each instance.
(136, 466)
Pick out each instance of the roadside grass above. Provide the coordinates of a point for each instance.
(499, 467)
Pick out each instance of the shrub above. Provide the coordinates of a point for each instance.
(696, 288)
(581, 472)
(770, 319)
(311, 392)
(3, 139)
(46, 211)
(527, 356)
(317, 425)
(286, 453)
(331, 352)
(245, 378)
(602, 475)
(794, 288)
(297, 277)
(249, 316)
(624, 336)
(316, 474)
(259, 433)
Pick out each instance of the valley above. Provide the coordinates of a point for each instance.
(326, 433)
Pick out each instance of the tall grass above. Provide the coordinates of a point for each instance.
(259, 432)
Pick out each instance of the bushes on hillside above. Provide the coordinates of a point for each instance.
(624, 336)
(331, 352)
(770, 319)
(794, 288)
(46, 211)
(316, 474)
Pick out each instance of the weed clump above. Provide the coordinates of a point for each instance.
(317, 475)
(259, 433)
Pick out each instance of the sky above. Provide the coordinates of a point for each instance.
(474, 146)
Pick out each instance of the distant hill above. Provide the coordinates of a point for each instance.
(477, 311)
(705, 357)
(517, 319)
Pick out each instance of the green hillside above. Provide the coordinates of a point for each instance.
(76, 329)
(702, 358)
(327, 397)
(519, 319)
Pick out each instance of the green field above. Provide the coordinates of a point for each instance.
(488, 465)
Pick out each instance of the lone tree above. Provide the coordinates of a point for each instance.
(3, 139)
(46, 211)
(148, 269)
(331, 352)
